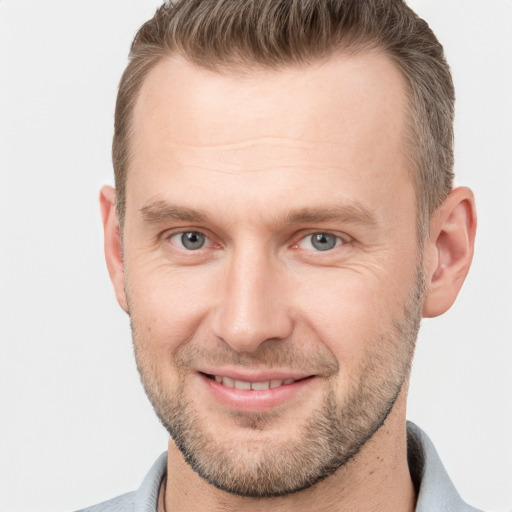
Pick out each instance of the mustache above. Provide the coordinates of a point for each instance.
(270, 354)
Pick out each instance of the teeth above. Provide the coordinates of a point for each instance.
(241, 384)
(260, 385)
(230, 383)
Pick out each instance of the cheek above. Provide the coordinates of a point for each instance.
(350, 311)
(342, 317)
(167, 306)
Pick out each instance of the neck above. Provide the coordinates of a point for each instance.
(377, 479)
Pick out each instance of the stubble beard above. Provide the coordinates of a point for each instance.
(328, 440)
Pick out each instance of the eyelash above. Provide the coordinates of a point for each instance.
(338, 241)
(182, 233)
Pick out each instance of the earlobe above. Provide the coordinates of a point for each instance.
(449, 251)
(113, 243)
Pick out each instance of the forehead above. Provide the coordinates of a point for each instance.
(356, 90)
(344, 117)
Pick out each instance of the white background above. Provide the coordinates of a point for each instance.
(75, 425)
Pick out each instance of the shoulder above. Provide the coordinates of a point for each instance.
(145, 499)
(123, 503)
(435, 489)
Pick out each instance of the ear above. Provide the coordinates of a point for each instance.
(449, 250)
(112, 243)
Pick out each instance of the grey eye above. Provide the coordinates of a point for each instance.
(192, 240)
(323, 241)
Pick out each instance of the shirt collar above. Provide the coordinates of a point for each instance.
(434, 488)
(433, 485)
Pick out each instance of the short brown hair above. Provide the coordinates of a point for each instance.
(237, 34)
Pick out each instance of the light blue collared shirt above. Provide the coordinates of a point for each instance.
(436, 492)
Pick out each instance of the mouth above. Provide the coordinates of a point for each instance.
(256, 394)
(257, 385)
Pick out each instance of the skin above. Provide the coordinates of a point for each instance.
(249, 151)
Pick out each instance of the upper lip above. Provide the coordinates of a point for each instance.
(254, 376)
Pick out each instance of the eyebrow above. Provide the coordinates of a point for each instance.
(162, 211)
(352, 213)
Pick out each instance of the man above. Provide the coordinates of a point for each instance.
(284, 215)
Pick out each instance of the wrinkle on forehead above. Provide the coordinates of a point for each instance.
(253, 155)
(308, 144)
(257, 168)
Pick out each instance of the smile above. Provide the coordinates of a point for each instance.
(258, 386)
(255, 393)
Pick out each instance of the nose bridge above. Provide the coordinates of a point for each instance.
(252, 307)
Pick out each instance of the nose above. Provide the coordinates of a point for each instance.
(252, 306)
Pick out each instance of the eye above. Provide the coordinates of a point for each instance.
(320, 242)
(190, 240)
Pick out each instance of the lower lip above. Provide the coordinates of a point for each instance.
(256, 400)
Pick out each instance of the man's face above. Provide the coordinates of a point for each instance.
(272, 270)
